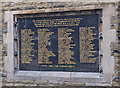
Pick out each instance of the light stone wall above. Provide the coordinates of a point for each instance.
(109, 35)
(1, 61)
(60, 1)
(108, 45)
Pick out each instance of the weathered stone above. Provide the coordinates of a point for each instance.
(9, 84)
(116, 66)
(74, 84)
(41, 82)
(27, 82)
(115, 53)
(10, 4)
(19, 84)
(115, 47)
(114, 83)
(30, 7)
(56, 6)
(4, 75)
(25, 5)
(114, 20)
(0, 70)
(4, 25)
(117, 60)
(1, 64)
(116, 78)
(4, 50)
(114, 26)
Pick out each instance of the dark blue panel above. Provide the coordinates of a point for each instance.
(59, 43)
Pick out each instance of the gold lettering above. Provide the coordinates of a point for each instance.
(26, 45)
(86, 48)
(64, 52)
(43, 42)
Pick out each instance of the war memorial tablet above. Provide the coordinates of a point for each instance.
(59, 43)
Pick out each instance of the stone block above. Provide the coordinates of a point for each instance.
(27, 82)
(10, 81)
(1, 33)
(8, 4)
(4, 75)
(98, 84)
(117, 67)
(1, 64)
(115, 54)
(74, 84)
(118, 33)
(5, 0)
(0, 24)
(1, 38)
(116, 79)
(114, 26)
(40, 82)
(4, 25)
(117, 60)
(30, 7)
(114, 20)
(9, 84)
(117, 73)
(4, 30)
(1, 41)
(115, 48)
(0, 70)
(114, 83)
(1, 59)
(4, 50)
(0, 18)
(19, 84)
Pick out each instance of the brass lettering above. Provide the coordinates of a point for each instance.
(43, 42)
(64, 52)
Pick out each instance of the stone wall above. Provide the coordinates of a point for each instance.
(0, 44)
(116, 53)
(25, 7)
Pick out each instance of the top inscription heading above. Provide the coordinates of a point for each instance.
(57, 22)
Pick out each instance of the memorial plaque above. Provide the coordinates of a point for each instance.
(59, 43)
